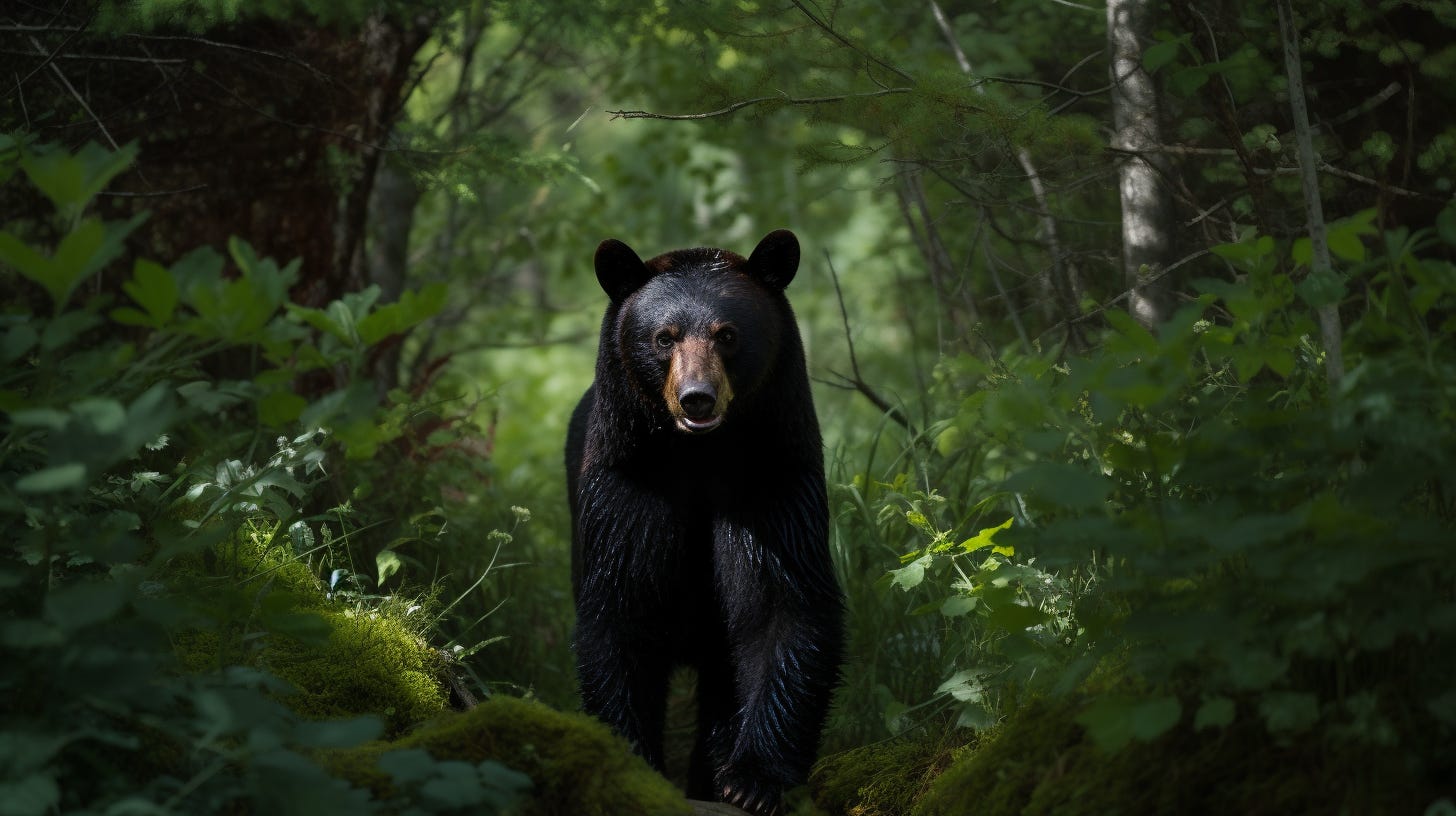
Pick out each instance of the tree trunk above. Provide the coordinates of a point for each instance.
(1147, 204)
(271, 131)
(1331, 333)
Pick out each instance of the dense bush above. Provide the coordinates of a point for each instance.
(191, 608)
(1203, 536)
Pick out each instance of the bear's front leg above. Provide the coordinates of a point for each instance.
(785, 615)
(622, 686)
(627, 545)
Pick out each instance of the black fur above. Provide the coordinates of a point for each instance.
(708, 550)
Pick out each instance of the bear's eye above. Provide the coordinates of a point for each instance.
(663, 340)
(727, 336)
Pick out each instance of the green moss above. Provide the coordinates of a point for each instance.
(578, 766)
(1041, 762)
(264, 608)
(369, 665)
(884, 779)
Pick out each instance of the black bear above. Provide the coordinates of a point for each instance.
(695, 472)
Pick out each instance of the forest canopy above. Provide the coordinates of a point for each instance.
(1130, 326)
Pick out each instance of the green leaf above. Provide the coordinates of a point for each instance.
(1346, 244)
(1446, 224)
(1061, 484)
(18, 340)
(155, 290)
(82, 252)
(1216, 712)
(1302, 251)
(410, 310)
(70, 181)
(1320, 289)
(33, 795)
(71, 476)
(985, 538)
(909, 576)
(280, 408)
(1114, 721)
(387, 562)
(1160, 54)
(1289, 710)
(958, 605)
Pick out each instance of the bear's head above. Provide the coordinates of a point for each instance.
(697, 329)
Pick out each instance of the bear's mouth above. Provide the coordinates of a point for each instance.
(698, 426)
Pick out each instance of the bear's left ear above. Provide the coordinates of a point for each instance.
(619, 270)
(776, 258)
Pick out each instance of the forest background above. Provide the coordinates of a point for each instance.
(1130, 324)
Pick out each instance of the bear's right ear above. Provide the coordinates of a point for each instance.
(776, 258)
(619, 270)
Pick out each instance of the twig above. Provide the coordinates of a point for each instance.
(1151, 279)
(805, 100)
(79, 99)
(828, 29)
(857, 381)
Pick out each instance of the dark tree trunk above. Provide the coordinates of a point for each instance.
(269, 131)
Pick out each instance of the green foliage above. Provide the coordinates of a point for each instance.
(170, 646)
(1270, 557)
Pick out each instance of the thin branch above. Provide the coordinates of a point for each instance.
(94, 57)
(857, 382)
(828, 29)
(1129, 292)
(76, 94)
(1331, 331)
(736, 106)
(156, 194)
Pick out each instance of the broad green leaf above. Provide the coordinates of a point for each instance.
(1114, 721)
(1061, 484)
(1346, 244)
(410, 310)
(1216, 712)
(1160, 54)
(1321, 289)
(338, 733)
(1289, 710)
(957, 605)
(1302, 251)
(909, 576)
(1014, 617)
(35, 794)
(70, 181)
(985, 538)
(387, 562)
(155, 290)
(280, 408)
(1446, 224)
(71, 476)
(19, 339)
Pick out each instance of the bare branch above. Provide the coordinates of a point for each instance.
(736, 106)
(828, 29)
(857, 382)
(75, 94)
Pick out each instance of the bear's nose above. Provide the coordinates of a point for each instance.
(697, 400)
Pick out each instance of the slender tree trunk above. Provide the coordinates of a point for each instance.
(1147, 203)
(1060, 283)
(1331, 332)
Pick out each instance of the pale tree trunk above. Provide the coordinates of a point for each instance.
(1147, 241)
(1331, 332)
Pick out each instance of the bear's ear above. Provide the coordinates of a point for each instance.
(776, 258)
(619, 270)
